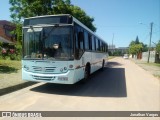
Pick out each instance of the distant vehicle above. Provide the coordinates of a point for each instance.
(125, 56)
(60, 49)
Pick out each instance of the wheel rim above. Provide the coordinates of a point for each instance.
(86, 73)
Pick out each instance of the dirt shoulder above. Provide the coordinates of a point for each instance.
(153, 68)
(10, 82)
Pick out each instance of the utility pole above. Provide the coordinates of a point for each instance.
(150, 42)
(112, 43)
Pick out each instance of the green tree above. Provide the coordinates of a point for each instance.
(145, 48)
(158, 46)
(17, 33)
(18, 37)
(137, 40)
(117, 53)
(136, 47)
(132, 43)
(28, 8)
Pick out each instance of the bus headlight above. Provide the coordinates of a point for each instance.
(26, 67)
(63, 69)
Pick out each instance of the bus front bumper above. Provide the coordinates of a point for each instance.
(61, 78)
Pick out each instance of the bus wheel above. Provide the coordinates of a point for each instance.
(103, 63)
(86, 73)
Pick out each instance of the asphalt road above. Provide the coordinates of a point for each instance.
(122, 86)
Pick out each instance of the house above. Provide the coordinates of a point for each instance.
(123, 50)
(6, 28)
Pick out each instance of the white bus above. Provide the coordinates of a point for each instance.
(60, 49)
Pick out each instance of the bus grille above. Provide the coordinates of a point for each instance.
(43, 69)
(47, 78)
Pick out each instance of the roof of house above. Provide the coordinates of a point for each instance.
(4, 40)
(4, 22)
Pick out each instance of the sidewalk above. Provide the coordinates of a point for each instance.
(153, 68)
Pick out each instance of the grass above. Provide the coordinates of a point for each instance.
(9, 66)
(11, 77)
(153, 64)
(158, 76)
(153, 68)
(144, 62)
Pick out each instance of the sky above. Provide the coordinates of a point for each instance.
(118, 20)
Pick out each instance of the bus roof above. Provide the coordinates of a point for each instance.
(74, 20)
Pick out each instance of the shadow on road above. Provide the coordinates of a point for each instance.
(113, 64)
(108, 83)
(7, 69)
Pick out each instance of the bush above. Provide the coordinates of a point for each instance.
(12, 56)
(12, 52)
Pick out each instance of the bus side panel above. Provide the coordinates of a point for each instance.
(80, 65)
(87, 56)
(97, 59)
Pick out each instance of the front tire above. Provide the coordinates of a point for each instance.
(86, 74)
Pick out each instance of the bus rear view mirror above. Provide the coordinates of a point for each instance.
(55, 46)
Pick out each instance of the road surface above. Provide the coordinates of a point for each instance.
(122, 86)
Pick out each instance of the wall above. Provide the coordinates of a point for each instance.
(152, 56)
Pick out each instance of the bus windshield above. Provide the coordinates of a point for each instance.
(53, 43)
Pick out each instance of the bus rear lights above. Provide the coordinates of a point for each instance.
(63, 78)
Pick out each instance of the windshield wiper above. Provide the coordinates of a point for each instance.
(55, 26)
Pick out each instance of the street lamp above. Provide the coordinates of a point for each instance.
(151, 24)
(149, 47)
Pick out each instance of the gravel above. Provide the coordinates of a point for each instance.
(150, 67)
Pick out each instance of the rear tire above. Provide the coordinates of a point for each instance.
(103, 64)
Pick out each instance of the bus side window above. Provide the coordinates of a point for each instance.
(81, 40)
(93, 43)
(81, 43)
(76, 53)
(106, 47)
(76, 40)
(97, 44)
(90, 41)
(100, 46)
(103, 46)
(86, 40)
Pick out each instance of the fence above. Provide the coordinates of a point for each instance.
(152, 56)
